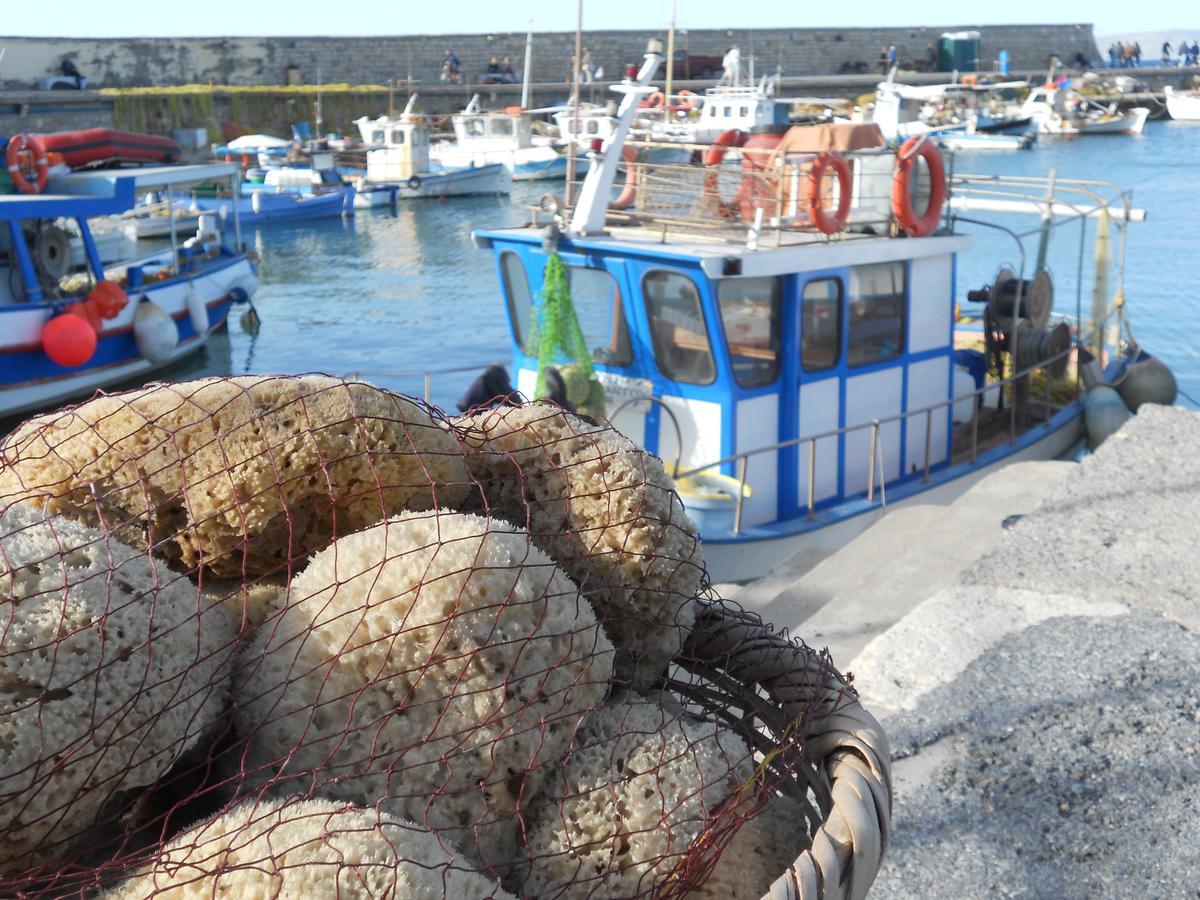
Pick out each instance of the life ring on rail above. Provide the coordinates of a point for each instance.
(713, 156)
(686, 99)
(654, 101)
(27, 163)
(625, 199)
(828, 223)
(906, 166)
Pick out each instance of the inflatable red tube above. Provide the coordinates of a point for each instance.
(91, 146)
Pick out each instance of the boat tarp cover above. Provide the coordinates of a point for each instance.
(829, 136)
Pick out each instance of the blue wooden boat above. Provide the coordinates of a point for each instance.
(269, 206)
(790, 326)
(192, 284)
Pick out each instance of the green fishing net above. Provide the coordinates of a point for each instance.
(559, 342)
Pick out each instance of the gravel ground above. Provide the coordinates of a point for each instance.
(1049, 746)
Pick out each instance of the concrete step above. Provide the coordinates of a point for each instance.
(907, 556)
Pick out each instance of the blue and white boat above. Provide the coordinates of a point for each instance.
(268, 206)
(398, 161)
(482, 138)
(800, 340)
(177, 296)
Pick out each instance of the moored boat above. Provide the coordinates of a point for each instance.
(1061, 111)
(67, 329)
(482, 138)
(1182, 106)
(798, 335)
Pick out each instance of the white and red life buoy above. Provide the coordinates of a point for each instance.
(827, 222)
(28, 165)
(713, 157)
(686, 99)
(906, 166)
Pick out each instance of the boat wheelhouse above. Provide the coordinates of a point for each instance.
(483, 137)
(184, 288)
(799, 337)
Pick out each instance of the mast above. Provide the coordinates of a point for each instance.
(528, 66)
(571, 149)
(670, 55)
(319, 121)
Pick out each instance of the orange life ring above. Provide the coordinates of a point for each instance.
(713, 156)
(654, 101)
(829, 223)
(686, 99)
(902, 206)
(629, 189)
(27, 163)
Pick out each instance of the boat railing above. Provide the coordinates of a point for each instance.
(748, 194)
(426, 375)
(875, 459)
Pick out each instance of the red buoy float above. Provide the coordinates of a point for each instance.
(27, 163)
(918, 147)
(829, 223)
(625, 199)
(68, 340)
(108, 298)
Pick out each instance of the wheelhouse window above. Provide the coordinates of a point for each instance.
(474, 127)
(378, 136)
(750, 316)
(677, 330)
(598, 307)
(397, 136)
(877, 312)
(821, 324)
(520, 300)
(501, 127)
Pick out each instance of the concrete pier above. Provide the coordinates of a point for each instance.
(1043, 705)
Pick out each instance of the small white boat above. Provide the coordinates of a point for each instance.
(1066, 112)
(978, 140)
(1182, 106)
(399, 160)
(482, 138)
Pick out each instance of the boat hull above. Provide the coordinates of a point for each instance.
(1182, 107)
(281, 206)
(525, 164)
(491, 179)
(29, 380)
(1130, 122)
(758, 550)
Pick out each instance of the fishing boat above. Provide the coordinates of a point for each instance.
(268, 206)
(398, 159)
(1061, 111)
(971, 139)
(482, 138)
(1182, 106)
(68, 327)
(798, 336)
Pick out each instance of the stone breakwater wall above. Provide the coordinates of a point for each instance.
(156, 62)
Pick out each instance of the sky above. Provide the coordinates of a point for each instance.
(136, 18)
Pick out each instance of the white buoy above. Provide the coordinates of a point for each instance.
(154, 332)
(256, 202)
(965, 399)
(197, 310)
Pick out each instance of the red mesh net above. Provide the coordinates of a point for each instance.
(305, 637)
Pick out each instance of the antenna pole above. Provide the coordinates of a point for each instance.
(528, 66)
(670, 55)
(571, 148)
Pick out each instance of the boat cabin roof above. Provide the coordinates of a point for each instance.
(52, 206)
(103, 182)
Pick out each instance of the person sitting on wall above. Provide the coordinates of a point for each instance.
(450, 65)
(506, 71)
(70, 71)
(493, 75)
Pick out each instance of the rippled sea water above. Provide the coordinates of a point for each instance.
(392, 291)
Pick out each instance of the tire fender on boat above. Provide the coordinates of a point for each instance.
(414, 183)
(918, 147)
(31, 180)
(154, 332)
(713, 157)
(829, 223)
(625, 199)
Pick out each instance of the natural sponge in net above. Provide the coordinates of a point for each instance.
(639, 786)
(305, 849)
(437, 663)
(608, 514)
(110, 668)
(239, 474)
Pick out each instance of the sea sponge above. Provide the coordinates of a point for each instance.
(631, 797)
(607, 513)
(239, 474)
(303, 849)
(437, 663)
(762, 849)
(110, 668)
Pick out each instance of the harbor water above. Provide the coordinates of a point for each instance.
(406, 290)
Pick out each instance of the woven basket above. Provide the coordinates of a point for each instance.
(794, 694)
